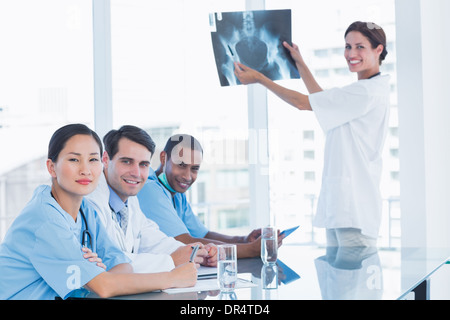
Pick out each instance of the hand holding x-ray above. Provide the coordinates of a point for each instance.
(254, 39)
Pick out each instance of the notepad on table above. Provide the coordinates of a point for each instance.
(206, 272)
(209, 285)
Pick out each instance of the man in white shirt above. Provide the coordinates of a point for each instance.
(126, 161)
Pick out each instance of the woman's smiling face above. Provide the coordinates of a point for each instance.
(360, 55)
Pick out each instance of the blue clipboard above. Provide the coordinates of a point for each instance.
(287, 232)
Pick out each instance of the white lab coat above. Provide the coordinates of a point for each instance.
(147, 246)
(355, 120)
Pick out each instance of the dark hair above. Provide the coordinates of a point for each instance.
(374, 33)
(135, 134)
(62, 135)
(177, 139)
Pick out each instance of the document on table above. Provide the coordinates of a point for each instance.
(206, 272)
(209, 285)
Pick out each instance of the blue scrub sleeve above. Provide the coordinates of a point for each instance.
(58, 258)
(157, 205)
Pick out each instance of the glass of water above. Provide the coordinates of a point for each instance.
(269, 276)
(227, 267)
(269, 245)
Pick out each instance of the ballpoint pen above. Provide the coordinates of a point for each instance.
(194, 253)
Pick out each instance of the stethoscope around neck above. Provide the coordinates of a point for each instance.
(86, 238)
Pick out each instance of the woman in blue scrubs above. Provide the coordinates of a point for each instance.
(57, 244)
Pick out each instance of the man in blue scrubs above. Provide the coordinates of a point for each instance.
(163, 198)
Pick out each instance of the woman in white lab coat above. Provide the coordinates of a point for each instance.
(355, 120)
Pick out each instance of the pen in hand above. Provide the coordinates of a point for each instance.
(194, 253)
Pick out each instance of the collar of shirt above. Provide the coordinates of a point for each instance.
(115, 202)
(152, 176)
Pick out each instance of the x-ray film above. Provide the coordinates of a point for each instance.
(255, 39)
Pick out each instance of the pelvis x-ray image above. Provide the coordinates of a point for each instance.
(255, 39)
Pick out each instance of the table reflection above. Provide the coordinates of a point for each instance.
(269, 276)
(307, 272)
(346, 273)
(257, 268)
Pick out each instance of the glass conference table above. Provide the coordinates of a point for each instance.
(320, 273)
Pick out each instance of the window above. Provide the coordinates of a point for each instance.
(157, 48)
(308, 135)
(337, 51)
(394, 152)
(322, 73)
(165, 81)
(341, 71)
(395, 175)
(310, 176)
(232, 179)
(323, 50)
(393, 131)
(309, 155)
(232, 219)
(321, 53)
(46, 81)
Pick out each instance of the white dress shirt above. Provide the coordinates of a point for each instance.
(147, 246)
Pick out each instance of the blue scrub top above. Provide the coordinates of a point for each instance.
(174, 216)
(41, 257)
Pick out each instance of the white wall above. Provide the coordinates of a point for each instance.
(424, 111)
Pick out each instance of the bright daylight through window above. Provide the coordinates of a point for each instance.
(164, 79)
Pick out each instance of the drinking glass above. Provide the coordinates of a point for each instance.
(269, 276)
(269, 245)
(226, 267)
